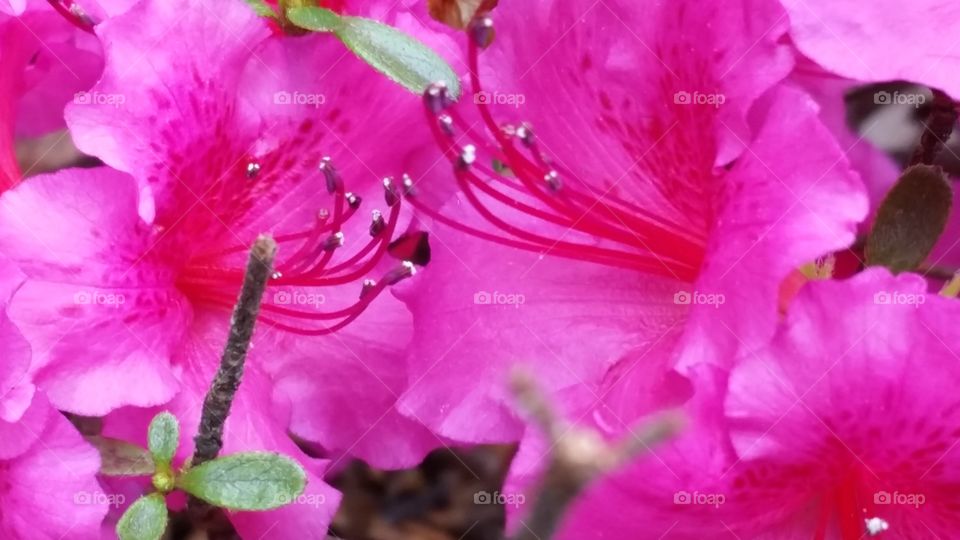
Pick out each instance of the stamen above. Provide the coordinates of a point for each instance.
(436, 97)
(253, 170)
(404, 271)
(446, 124)
(353, 201)
(333, 241)
(75, 14)
(377, 224)
(876, 525)
(553, 180)
(330, 175)
(468, 156)
(538, 189)
(481, 31)
(368, 285)
(390, 193)
(368, 292)
(408, 189)
(211, 279)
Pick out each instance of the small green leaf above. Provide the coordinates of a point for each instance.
(910, 220)
(316, 19)
(146, 519)
(246, 481)
(163, 437)
(262, 9)
(400, 57)
(120, 458)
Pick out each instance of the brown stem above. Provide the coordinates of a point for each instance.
(937, 129)
(216, 405)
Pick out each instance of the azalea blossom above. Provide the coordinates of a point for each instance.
(132, 269)
(635, 213)
(839, 428)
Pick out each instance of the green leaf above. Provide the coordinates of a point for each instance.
(910, 220)
(146, 519)
(120, 458)
(397, 55)
(316, 19)
(400, 57)
(163, 437)
(262, 9)
(246, 481)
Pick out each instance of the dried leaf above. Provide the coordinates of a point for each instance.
(120, 458)
(911, 219)
(458, 13)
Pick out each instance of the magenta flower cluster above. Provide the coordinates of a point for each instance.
(644, 204)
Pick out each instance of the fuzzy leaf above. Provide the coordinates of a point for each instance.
(262, 9)
(400, 57)
(911, 218)
(146, 519)
(246, 481)
(315, 19)
(120, 458)
(163, 437)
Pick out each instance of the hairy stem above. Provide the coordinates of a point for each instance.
(216, 405)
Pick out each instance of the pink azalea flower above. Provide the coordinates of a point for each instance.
(48, 484)
(880, 41)
(214, 135)
(44, 63)
(647, 223)
(839, 427)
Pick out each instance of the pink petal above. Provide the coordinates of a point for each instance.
(536, 313)
(880, 41)
(782, 205)
(76, 234)
(344, 388)
(16, 388)
(51, 491)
